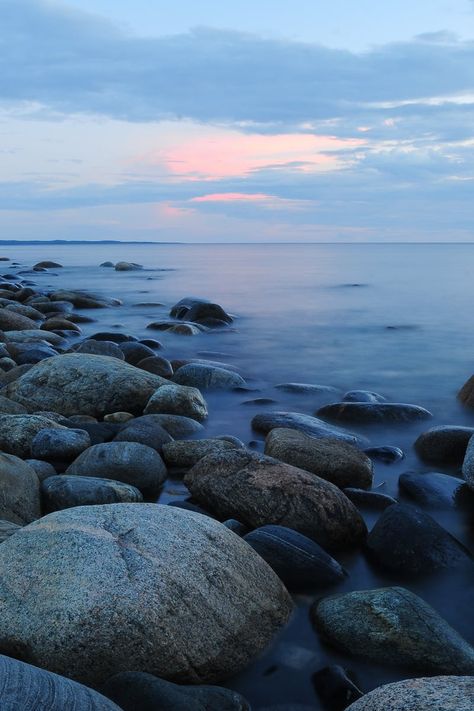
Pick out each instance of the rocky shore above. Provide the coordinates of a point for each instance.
(113, 596)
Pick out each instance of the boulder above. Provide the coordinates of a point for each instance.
(435, 693)
(369, 499)
(129, 462)
(199, 311)
(19, 491)
(392, 626)
(43, 469)
(134, 352)
(59, 444)
(104, 348)
(137, 691)
(259, 490)
(83, 300)
(64, 491)
(465, 395)
(297, 560)
(181, 400)
(83, 384)
(184, 454)
(176, 425)
(373, 413)
(127, 267)
(59, 324)
(30, 335)
(26, 688)
(208, 377)
(434, 490)
(468, 464)
(144, 431)
(9, 407)
(303, 423)
(334, 460)
(48, 264)
(145, 587)
(24, 310)
(17, 432)
(12, 321)
(444, 445)
(156, 364)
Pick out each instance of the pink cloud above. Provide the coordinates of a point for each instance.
(232, 197)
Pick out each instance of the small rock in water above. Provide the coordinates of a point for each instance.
(312, 426)
(107, 264)
(127, 267)
(385, 454)
(207, 377)
(465, 395)
(373, 413)
(334, 688)
(410, 542)
(363, 396)
(199, 310)
(444, 445)
(392, 626)
(434, 489)
(305, 388)
(438, 693)
(370, 499)
(297, 560)
(137, 691)
(47, 264)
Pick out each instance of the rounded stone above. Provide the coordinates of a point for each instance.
(145, 587)
(104, 348)
(59, 444)
(43, 469)
(468, 464)
(64, 491)
(363, 396)
(144, 431)
(156, 364)
(435, 693)
(434, 489)
(184, 454)
(373, 413)
(17, 432)
(129, 462)
(444, 445)
(207, 377)
(181, 400)
(312, 426)
(19, 490)
(134, 352)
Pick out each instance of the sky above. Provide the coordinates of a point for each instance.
(250, 121)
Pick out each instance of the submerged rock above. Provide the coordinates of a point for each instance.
(331, 459)
(305, 388)
(444, 445)
(136, 691)
(24, 687)
(208, 377)
(385, 454)
(312, 426)
(127, 267)
(409, 541)
(392, 626)
(79, 383)
(48, 264)
(433, 489)
(129, 462)
(297, 560)
(438, 693)
(143, 586)
(199, 311)
(258, 490)
(373, 413)
(369, 499)
(19, 491)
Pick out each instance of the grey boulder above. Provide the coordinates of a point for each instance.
(392, 626)
(434, 489)
(17, 432)
(435, 693)
(184, 454)
(259, 490)
(334, 460)
(208, 377)
(144, 431)
(65, 491)
(303, 423)
(373, 413)
(129, 462)
(19, 491)
(181, 400)
(137, 586)
(444, 445)
(59, 444)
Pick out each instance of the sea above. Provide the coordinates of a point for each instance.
(392, 318)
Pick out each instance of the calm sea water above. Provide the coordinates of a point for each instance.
(390, 318)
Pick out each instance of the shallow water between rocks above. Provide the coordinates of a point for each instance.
(390, 318)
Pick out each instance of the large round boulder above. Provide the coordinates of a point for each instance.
(259, 490)
(175, 399)
(435, 693)
(19, 491)
(84, 384)
(137, 586)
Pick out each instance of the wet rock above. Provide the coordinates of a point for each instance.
(103, 348)
(183, 454)
(48, 264)
(385, 454)
(392, 626)
(107, 264)
(183, 329)
(19, 491)
(48, 307)
(24, 310)
(233, 525)
(199, 310)
(176, 425)
(127, 267)
(433, 489)
(26, 688)
(12, 321)
(65, 491)
(439, 693)
(177, 400)
(369, 499)
(117, 338)
(7, 364)
(17, 432)
(259, 490)
(59, 444)
(134, 352)
(31, 335)
(373, 413)
(151, 343)
(43, 469)
(155, 569)
(136, 690)
(59, 324)
(130, 462)
(83, 300)
(118, 417)
(363, 396)
(305, 388)
(334, 688)
(331, 459)
(9, 407)
(207, 377)
(99, 432)
(158, 365)
(465, 395)
(444, 445)
(259, 401)
(410, 542)
(468, 464)
(312, 426)
(79, 383)
(180, 362)
(7, 529)
(144, 430)
(297, 560)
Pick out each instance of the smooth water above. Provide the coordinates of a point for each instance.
(389, 318)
